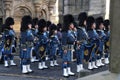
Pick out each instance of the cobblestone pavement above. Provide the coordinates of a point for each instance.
(52, 73)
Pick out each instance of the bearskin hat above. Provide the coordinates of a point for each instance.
(9, 21)
(81, 18)
(99, 21)
(53, 27)
(68, 19)
(35, 22)
(106, 23)
(26, 20)
(59, 26)
(75, 24)
(48, 23)
(90, 21)
(41, 25)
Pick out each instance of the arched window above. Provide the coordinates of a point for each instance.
(19, 12)
(43, 14)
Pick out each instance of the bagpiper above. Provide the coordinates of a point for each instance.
(68, 41)
(1, 45)
(26, 43)
(54, 42)
(93, 39)
(82, 38)
(34, 32)
(8, 41)
(41, 44)
(48, 24)
(59, 34)
(107, 41)
(102, 37)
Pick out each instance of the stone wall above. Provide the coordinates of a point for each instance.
(115, 36)
(97, 7)
(74, 7)
(18, 8)
(46, 9)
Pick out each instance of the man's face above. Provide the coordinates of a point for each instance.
(36, 26)
(29, 26)
(45, 29)
(85, 22)
(93, 26)
(55, 32)
(71, 26)
(101, 26)
(11, 26)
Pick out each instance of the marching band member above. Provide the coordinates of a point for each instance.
(54, 42)
(48, 23)
(74, 32)
(93, 39)
(59, 29)
(34, 32)
(107, 44)
(1, 45)
(8, 40)
(59, 34)
(82, 38)
(41, 44)
(68, 41)
(26, 43)
(102, 37)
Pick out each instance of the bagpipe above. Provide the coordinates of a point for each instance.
(10, 41)
(88, 49)
(42, 52)
(96, 43)
(7, 42)
(14, 45)
(107, 45)
(42, 49)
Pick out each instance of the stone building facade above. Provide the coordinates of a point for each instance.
(49, 9)
(92, 7)
(18, 8)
